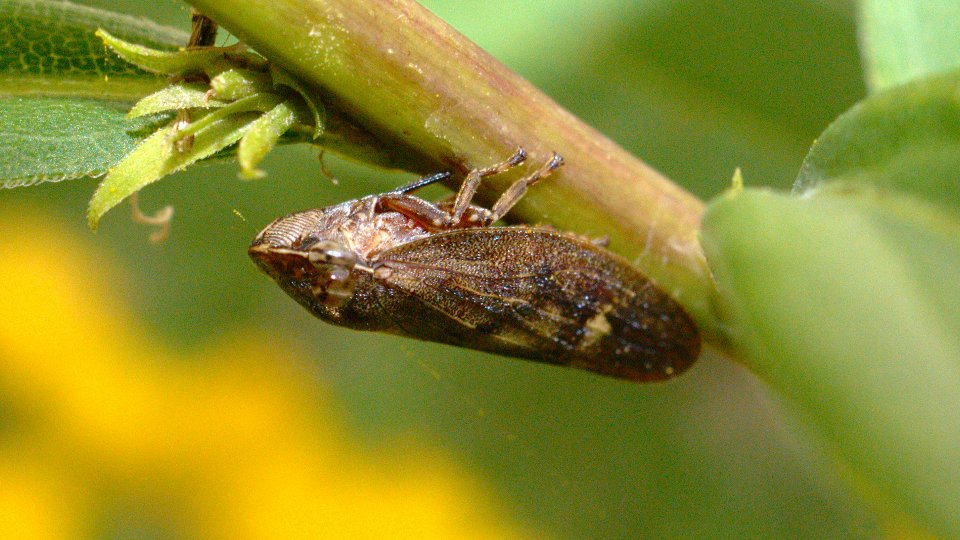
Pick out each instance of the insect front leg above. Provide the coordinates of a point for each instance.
(470, 184)
(428, 215)
(516, 192)
(460, 213)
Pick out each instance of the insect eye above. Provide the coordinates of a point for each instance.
(328, 253)
(336, 289)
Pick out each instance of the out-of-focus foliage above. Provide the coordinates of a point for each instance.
(844, 296)
(906, 39)
(109, 433)
(906, 139)
(849, 306)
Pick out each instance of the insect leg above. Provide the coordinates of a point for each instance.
(470, 184)
(515, 192)
(428, 215)
(203, 30)
(446, 215)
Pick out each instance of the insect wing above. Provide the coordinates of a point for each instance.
(538, 294)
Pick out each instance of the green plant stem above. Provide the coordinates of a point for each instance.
(430, 93)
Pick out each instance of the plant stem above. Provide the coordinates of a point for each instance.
(432, 95)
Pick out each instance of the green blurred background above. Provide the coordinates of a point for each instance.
(696, 89)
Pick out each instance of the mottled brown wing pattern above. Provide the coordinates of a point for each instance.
(539, 294)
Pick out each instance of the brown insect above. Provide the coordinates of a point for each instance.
(440, 272)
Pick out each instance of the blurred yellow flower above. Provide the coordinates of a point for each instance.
(103, 432)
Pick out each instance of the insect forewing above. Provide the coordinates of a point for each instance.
(539, 294)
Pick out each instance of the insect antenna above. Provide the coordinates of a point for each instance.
(421, 182)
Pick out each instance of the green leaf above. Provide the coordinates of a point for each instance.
(848, 299)
(63, 96)
(48, 140)
(200, 60)
(256, 103)
(263, 135)
(905, 139)
(49, 48)
(237, 83)
(852, 311)
(283, 79)
(172, 98)
(157, 157)
(903, 40)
